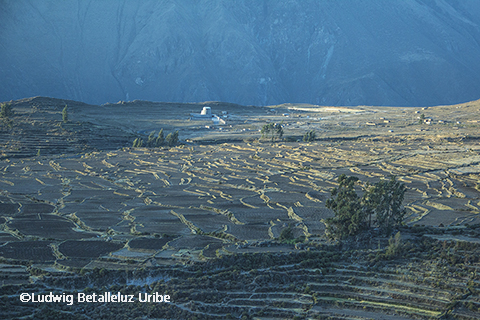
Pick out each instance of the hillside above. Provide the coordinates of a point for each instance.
(84, 212)
(402, 53)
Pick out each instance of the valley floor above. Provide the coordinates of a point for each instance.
(81, 209)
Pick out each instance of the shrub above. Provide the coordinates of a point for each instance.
(394, 246)
(286, 234)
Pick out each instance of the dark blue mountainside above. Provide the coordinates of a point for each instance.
(328, 52)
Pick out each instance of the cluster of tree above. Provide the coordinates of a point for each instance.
(157, 141)
(272, 130)
(309, 136)
(379, 207)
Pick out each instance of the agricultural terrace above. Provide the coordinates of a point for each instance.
(203, 220)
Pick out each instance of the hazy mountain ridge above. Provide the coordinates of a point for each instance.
(414, 52)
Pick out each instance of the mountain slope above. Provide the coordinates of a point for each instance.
(406, 53)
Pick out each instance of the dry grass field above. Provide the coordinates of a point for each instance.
(77, 200)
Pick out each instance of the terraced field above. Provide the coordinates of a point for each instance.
(201, 220)
(430, 280)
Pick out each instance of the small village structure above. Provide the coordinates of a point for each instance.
(206, 114)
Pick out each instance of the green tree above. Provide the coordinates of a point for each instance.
(137, 143)
(6, 110)
(309, 136)
(160, 138)
(169, 139)
(65, 114)
(278, 130)
(172, 139)
(5, 113)
(274, 130)
(350, 218)
(353, 214)
(422, 117)
(151, 140)
(384, 200)
(175, 137)
(265, 130)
